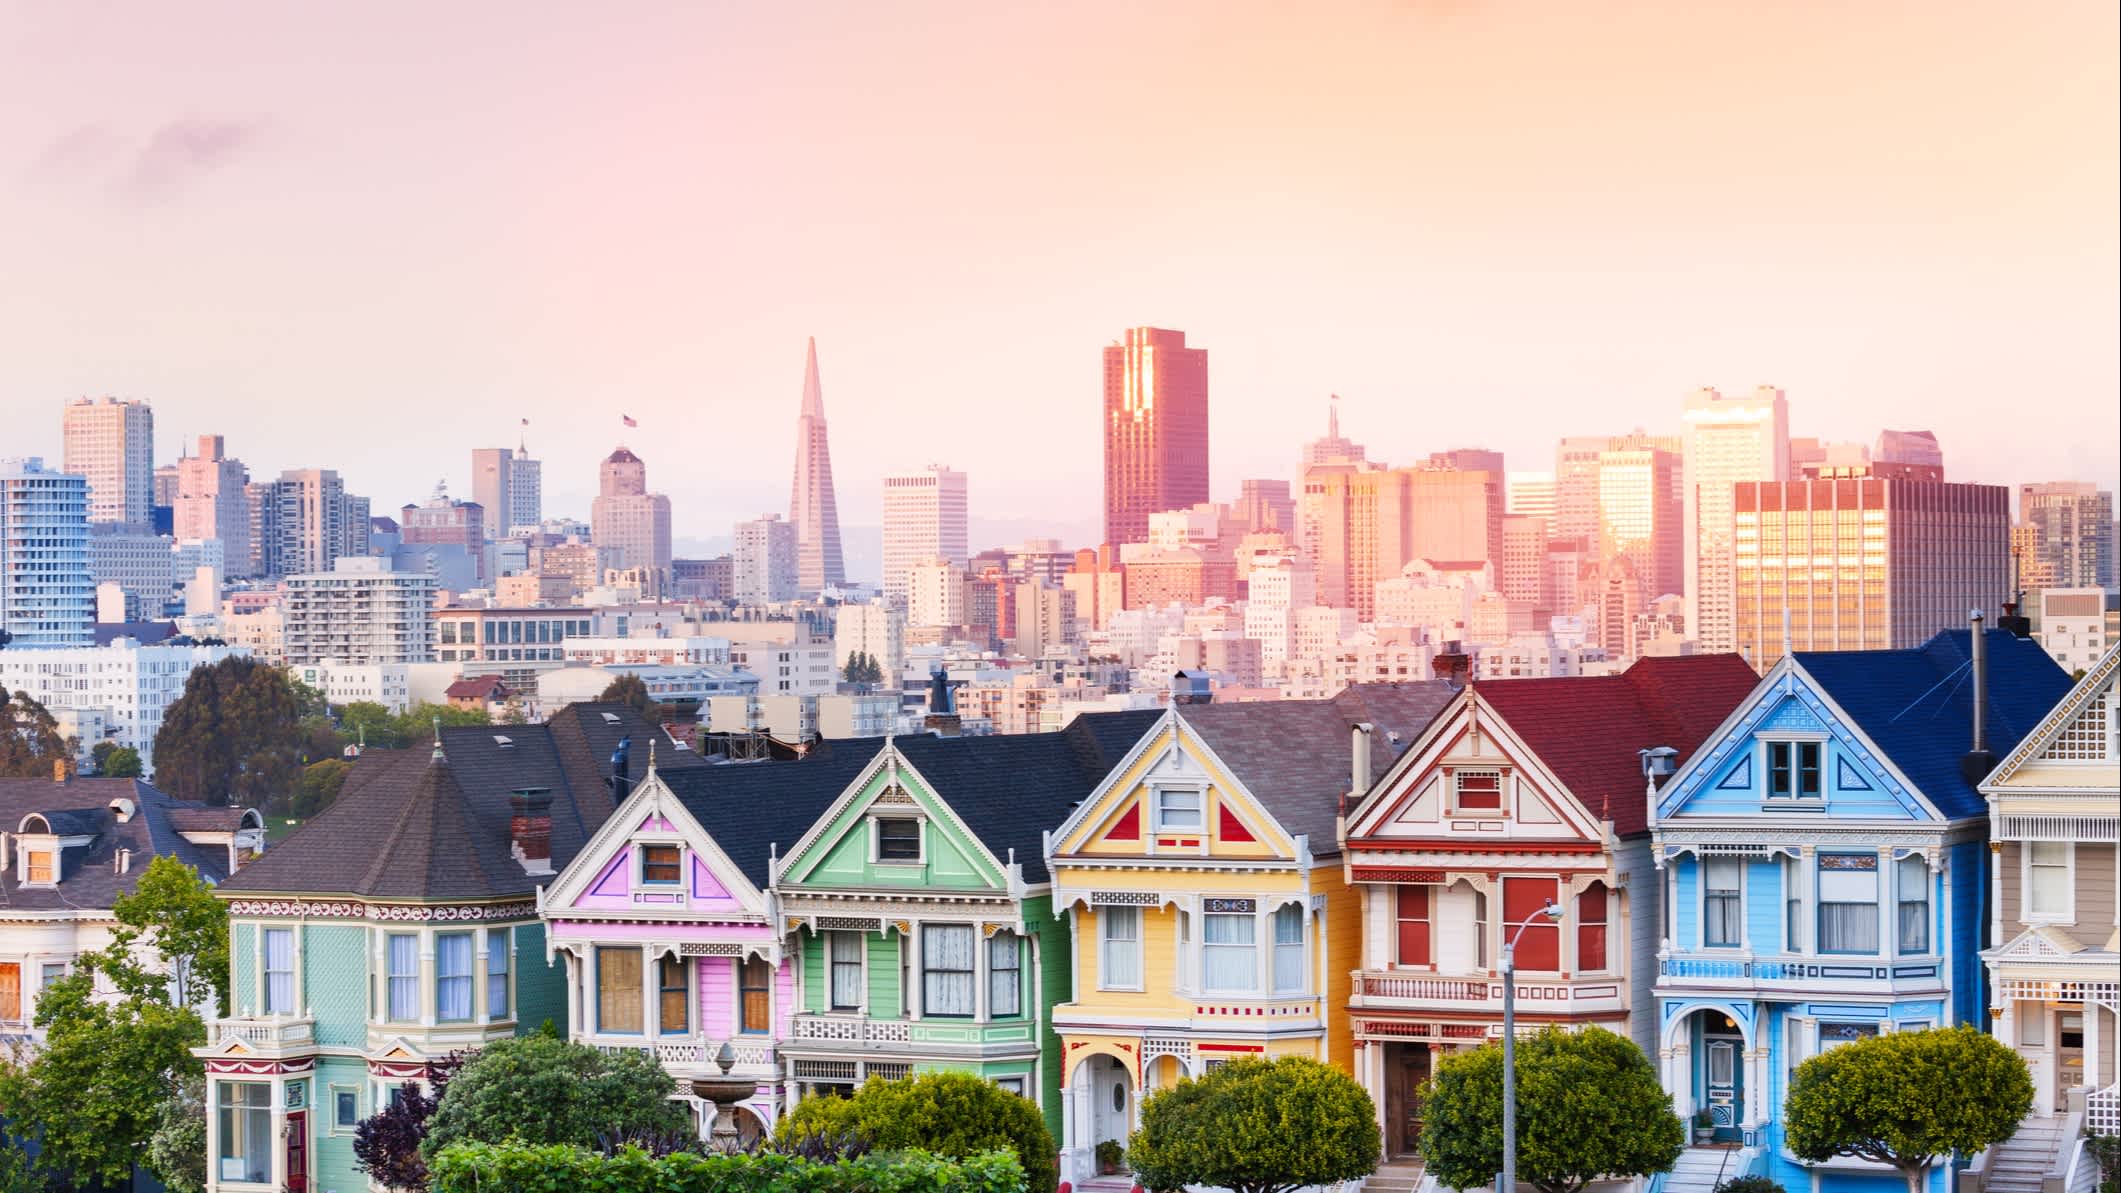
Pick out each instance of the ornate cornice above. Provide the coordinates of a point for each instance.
(395, 913)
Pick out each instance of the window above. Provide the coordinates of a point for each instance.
(453, 977)
(659, 864)
(1792, 906)
(1005, 975)
(1540, 946)
(52, 972)
(1415, 914)
(1229, 954)
(1722, 914)
(1289, 949)
(670, 1003)
(2032, 1027)
(947, 968)
(1590, 929)
(279, 971)
(39, 867)
(2047, 880)
(1178, 810)
(1848, 903)
(898, 840)
(1834, 1035)
(1793, 769)
(1014, 1085)
(619, 990)
(1119, 948)
(345, 1109)
(754, 984)
(1477, 790)
(497, 950)
(246, 1131)
(1913, 877)
(402, 964)
(1481, 933)
(845, 963)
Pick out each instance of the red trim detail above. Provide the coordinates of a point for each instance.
(1231, 1047)
(1490, 845)
(1229, 827)
(1394, 874)
(1129, 825)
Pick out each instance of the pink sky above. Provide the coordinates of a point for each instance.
(375, 237)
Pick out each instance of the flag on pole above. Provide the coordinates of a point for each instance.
(629, 422)
(526, 422)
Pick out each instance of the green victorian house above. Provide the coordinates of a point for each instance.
(397, 926)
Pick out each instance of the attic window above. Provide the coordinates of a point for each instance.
(37, 866)
(898, 839)
(659, 864)
(1477, 790)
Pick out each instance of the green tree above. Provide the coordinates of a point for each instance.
(1908, 1099)
(542, 1090)
(628, 690)
(318, 787)
(171, 930)
(1257, 1126)
(30, 741)
(233, 737)
(120, 762)
(953, 1115)
(862, 668)
(364, 722)
(416, 725)
(18, 1172)
(1589, 1105)
(176, 1151)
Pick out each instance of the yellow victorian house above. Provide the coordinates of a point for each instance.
(1204, 889)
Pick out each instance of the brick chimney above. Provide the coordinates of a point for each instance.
(530, 829)
(1452, 663)
(62, 769)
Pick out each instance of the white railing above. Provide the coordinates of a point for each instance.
(852, 1029)
(698, 1054)
(265, 1033)
(1549, 992)
(1440, 989)
(2102, 1111)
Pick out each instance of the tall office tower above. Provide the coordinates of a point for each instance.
(1530, 493)
(1863, 562)
(1278, 589)
(304, 522)
(1334, 448)
(210, 503)
(935, 594)
(812, 509)
(47, 590)
(1156, 430)
(1521, 574)
(1728, 440)
(1576, 486)
(443, 522)
(875, 629)
(1455, 513)
(1266, 505)
(112, 443)
(165, 484)
(763, 568)
(507, 485)
(1919, 448)
(1467, 459)
(2073, 532)
(925, 516)
(625, 519)
(1364, 524)
(526, 493)
(1639, 513)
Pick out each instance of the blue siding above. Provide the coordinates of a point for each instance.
(1966, 864)
(1852, 779)
(1763, 907)
(1686, 927)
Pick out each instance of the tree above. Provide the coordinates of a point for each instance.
(1257, 1126)
(177, 1149)
(171, 931)
(862, 668)
(953, 1115)
(318, 787)
(114, 761)
(628, 690)
(543, 1090)
(387, 1143)
(234, 736)
(366, 723)
(1589, 1105)
(1908, 1099)
(416, 725)
(30, 741)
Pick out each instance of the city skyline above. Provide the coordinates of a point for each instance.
(1930, 287)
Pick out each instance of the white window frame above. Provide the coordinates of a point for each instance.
(1106, 941)
(1252, 986)
(876, 838)
(1157, 809)
(1702, 907)
(265, 972)
(861, 953)
(1929, 906)
(332, 1093)
(1502, 792)
(2068, 914)
(1301, 946)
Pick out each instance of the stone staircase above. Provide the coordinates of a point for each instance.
(1701, 1169)
(1394, 1176)
(2018, 1164)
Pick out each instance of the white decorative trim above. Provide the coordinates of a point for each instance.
(307, 909)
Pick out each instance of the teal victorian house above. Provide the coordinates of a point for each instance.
(1825, 873)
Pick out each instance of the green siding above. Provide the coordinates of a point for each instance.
(1054, 954)
(885, 1001)
(813, 973)
(243, 967)
(334, 1158)
(840, 856)
(541, 988)
(335, 982)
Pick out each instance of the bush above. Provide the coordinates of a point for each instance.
(954, 1115)
(548, 1091)
(518, 1168)
(1750, 1184)
(1257, 1126)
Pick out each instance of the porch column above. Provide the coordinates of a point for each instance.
(482, 1014)
(1679, 1078)
(1888, 936)
(1756, 1074)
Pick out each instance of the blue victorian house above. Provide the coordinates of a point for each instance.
(1825, 876)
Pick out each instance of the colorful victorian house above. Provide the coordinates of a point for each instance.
(2054, 967)
(1520, 793)
(1203, 883)
(1825, 871)
(397, 926)
(921, 910)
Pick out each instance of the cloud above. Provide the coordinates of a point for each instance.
(86, 149)
(183, 150)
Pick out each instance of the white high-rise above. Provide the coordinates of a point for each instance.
(47, 590)
(764, 563)
(1729, 441)
(359, 612)
(1278, 588)
(112, 443)
(924, 518)
(935, 594)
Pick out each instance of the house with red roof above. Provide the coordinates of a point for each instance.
(1521, 793)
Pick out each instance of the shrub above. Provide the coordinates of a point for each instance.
(1750, 1184)
(954, 1115)
(1257, 1126)
(543, 1091)
(519, 1168)
(1909, 1099)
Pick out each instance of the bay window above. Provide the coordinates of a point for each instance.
(452, 977)
(1913, 878)
(1848, 903)
(619, 990)
(754, 985)
(1289, 949)
(1119, 948)
(671, 1007)
(1005, 972)
(279, 971)
(2047, 880)
(1792, 906)
(402, 965)
(1591, 929)
(497, 950)
(1539, 948)
(245, 1110)
(1229, 953)
(1722, 908)
(947, 971)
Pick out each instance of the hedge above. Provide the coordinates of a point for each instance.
(521, 1168)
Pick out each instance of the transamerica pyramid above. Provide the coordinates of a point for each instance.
(811, 508)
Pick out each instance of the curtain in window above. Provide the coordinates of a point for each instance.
(453, 976)
(1289, 950)
(619, 990)
(947, 970)
(1120, 959)
(1005, 971)
(279, 971)
(1229, 958)
(2047, 867)
(497, 973)
(1722, 918)
(1539, 944)
(846, 970)
(1914, 905)
(404, 963)
(1848, 903)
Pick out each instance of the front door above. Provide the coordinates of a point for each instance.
(298, 1151)
(1112, 1101)
(11, 991)
(2069, 1053)
(1725, 1086)
(1406, 1071)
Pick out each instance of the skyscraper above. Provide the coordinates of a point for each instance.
(2072, 532)
(305, 522)
(925, 516)
(506, 485)
(210, 503)
(1728, 441)
(1155, 430)
(1334, 448)
(763, 567)
(811, 506)
(1639, 512)
(1910, 447)
(47, 590)
(625, 519)
(112, 444)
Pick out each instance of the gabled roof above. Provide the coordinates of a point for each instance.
(2098, 681)
(88, 877)
(477, 687)
(1296, 757)
(1587, 729)
(1916, 705)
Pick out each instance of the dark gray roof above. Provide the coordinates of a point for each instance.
(1297, 756)
(88, 875)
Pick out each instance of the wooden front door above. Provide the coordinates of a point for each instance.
(11, 990)
(297, 1151)
(1406, 1070)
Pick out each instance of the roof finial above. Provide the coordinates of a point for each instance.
(651, 753)
(438, 757)
(1785, 629)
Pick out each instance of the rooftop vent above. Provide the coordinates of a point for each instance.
(611, 718)
(504, 741)
(1658, 762)
(122, 808)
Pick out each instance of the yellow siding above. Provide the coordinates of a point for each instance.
(1343, 933)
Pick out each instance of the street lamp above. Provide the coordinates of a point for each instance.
(1508, 1182)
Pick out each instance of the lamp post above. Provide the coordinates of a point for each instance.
(1508, 1181)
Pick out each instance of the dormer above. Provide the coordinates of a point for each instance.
(239, 832)
(41, 842)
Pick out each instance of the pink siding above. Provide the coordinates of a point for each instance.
(706, 890)
(654, 824)
(611, 888)
(784, 998)
(718, 997)
(650, 933)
